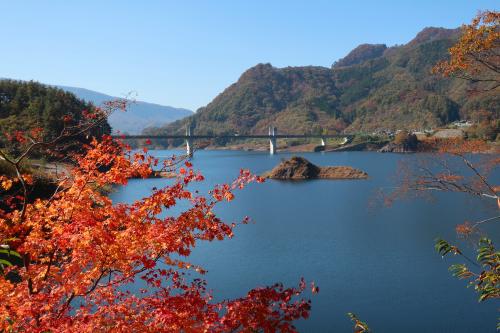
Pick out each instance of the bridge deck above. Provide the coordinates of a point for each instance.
(263, 136)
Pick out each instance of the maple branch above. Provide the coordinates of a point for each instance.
(478, 174)
(59, 186)
(66, 304)
(51, 258)
(487, 64)
(96, 282)
(484, 221)
(25, 191)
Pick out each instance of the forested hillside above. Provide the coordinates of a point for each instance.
(29, 105)
(373, 88)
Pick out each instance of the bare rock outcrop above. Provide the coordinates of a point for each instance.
(298, 168)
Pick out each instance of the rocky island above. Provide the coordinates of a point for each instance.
(298, 168)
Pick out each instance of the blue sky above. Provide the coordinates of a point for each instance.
(184, 53)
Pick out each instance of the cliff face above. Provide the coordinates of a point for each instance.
(298, 168)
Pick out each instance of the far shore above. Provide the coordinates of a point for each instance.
(310, 147)
(303, 148)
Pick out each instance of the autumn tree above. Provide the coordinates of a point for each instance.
(476, 56)
(68, 259)
(409, 140)
(453, 167)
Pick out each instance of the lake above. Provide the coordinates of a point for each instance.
(378, 262)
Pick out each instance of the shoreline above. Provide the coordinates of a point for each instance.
(494, 148)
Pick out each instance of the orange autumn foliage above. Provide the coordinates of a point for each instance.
(476, 56)
(81, 252)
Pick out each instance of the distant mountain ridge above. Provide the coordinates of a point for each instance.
(361, 54)
(139, 115)
(430, 34)
(373, 88)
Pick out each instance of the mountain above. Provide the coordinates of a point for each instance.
(361, 54)
(139, 115)
(28, 106)
(373, 88)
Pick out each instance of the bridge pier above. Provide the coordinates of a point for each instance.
(272, 140)
(189, 142)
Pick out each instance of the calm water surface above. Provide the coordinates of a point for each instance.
(379, 263)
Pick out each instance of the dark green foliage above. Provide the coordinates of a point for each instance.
(359, 326)
(8, 257)
(487, 281)
(25, 106)
(356, 82)
(442, 107)
(366, 138)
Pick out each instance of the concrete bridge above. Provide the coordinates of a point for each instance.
(272, 137)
